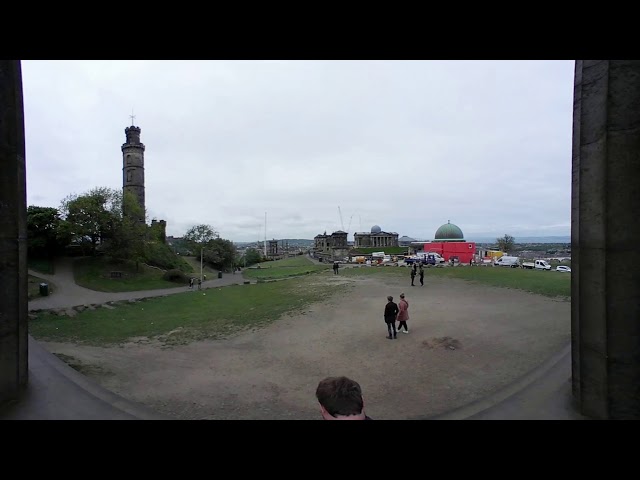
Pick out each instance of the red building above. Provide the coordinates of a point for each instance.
(449, 242)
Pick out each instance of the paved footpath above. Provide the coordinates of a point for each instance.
(67, 294)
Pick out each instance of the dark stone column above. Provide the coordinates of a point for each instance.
(605, 288)
(13, 226)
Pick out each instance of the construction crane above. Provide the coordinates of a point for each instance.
(349, 227)
(341, 222)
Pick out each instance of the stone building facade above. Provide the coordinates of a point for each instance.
(160, 228)
(331, 247)
(375, 238)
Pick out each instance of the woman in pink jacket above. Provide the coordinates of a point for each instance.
(403, 314)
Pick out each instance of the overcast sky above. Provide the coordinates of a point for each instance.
(406, 145)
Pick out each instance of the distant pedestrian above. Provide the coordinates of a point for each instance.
(390, 314)
(336, 266)
(421, 273)
(403, 314)
(413, 275)
(205, 277)
(191, 283)
(199, 284)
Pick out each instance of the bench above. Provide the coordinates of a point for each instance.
(116, 274)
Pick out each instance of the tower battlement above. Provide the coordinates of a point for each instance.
(133, 134)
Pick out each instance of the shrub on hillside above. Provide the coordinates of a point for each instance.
(176, 276)
(160, 255)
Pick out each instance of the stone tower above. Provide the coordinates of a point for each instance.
(133, 166)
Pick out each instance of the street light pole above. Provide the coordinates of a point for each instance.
(201, 251)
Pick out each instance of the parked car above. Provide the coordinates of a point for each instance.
(562, 268)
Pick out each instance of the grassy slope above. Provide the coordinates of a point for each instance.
(190, 315)
(288, 267)
(550, 284)
(41, 265)
(95, 273)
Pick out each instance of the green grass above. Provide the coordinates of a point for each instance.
(550, 284)
(33, 288)
(300, 261)
(95, 274)
(190, 316)
(289, 267)
(194, 262)
(41, 265)
(160, 255)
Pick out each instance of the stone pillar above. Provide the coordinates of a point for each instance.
(13, 234)
(605, 239)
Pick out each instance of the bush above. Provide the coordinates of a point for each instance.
(176, 276)
(160, 255)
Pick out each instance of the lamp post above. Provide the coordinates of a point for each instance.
(201, 252)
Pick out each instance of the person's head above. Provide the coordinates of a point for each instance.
(340, 398)
(402, 296)
(390, 298)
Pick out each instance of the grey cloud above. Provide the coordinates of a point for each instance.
(406, 145)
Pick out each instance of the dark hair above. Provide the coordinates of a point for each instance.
(340, 396)
(390, 298)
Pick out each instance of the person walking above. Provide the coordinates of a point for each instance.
(199, 284)
(421, 273)
(403, 314)
(413, 274)
(191, 283)
(390, 315)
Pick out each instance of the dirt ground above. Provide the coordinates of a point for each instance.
(465, 342)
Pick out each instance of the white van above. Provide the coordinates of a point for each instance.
(507, 261)
(538, 265)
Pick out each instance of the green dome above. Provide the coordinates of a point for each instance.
(449, 233)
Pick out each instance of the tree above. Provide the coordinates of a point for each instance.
(92, 215)
(252, 256)
(200, 235)
(219, 253)
(127, 234)
(506, 243)
(45, 237)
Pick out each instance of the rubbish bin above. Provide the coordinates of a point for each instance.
(219, 274)
(44, 289)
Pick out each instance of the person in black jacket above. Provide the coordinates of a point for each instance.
(390, 314)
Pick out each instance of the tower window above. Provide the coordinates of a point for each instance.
(128, 159)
